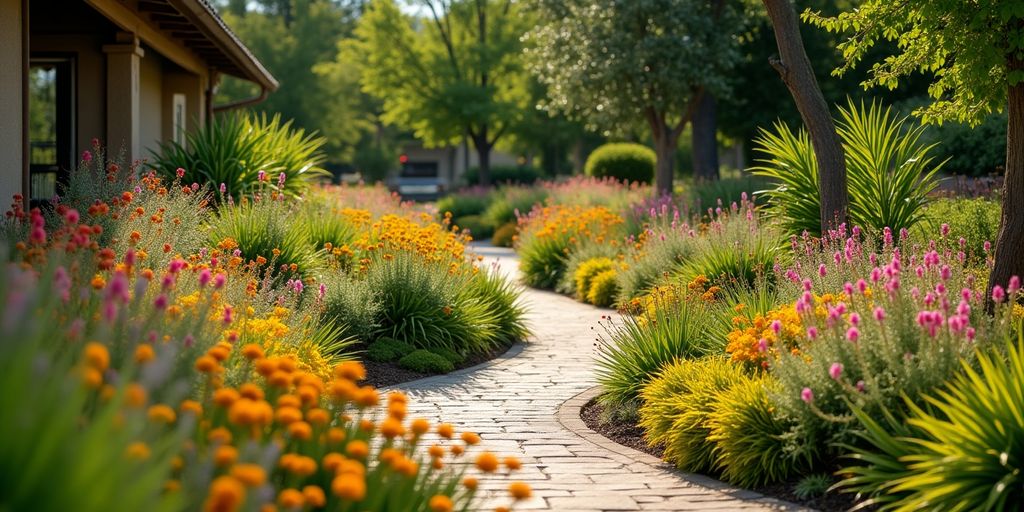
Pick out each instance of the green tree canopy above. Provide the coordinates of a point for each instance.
(616, 64)
(456, 72)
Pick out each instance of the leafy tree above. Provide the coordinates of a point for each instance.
(456, 72)
(291, 37)
(617, 64)
(975, 51)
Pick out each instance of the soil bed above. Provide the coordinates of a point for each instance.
(381, 375)
(629, 434)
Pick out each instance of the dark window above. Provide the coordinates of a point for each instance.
(419, 170)
(51, 122)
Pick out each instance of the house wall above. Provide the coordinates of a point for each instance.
(451, 160)
(11, 101)
(151, 100)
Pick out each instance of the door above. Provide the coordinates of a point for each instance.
(51, 126)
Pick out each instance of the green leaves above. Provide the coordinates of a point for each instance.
(889, 170)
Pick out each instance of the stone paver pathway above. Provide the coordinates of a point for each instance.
(514, 401)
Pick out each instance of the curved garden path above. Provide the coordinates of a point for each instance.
(516, 404)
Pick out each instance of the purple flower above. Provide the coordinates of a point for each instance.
(223, 188)
(835, 371)
(261, 175)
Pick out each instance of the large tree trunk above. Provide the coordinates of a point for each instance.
(795, 69)
(664, 169)
(704, 137)
(1010, 242)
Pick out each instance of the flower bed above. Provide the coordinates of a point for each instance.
(163, 353)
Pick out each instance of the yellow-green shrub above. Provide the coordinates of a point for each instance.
(586, 273)
(676, 407)
(603, 288)
(749, 450)
(505, 235)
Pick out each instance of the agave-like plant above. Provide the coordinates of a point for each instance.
(889, 171)
(963, 451)
(233, 149)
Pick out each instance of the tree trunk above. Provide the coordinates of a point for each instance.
(704, 137)
(664, 169)
(577, 156)
(483, 154)
(795, 69)
(1010, 242)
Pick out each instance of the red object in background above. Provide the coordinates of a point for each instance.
(402, 159)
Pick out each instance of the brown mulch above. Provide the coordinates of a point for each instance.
(382, 375)
(629, 434)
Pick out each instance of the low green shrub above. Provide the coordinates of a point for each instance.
(603, 289)
(352, 305)
(505, 235)
(623, 161)
(749, 450)
(542, 261)
(464, 202)
(238, 149)
(723, 192)
(973, 220)
(677, 405)
(658, 259)
(585, 252)
(425, 361)
(499, 297)
(734, 251)
(812, 486)
(503, 209)
(636, 348)
(478, 228)
(585, 273)
(450, 355)
(388, 349)
(507, 174)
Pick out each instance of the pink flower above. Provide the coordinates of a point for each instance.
(261, 175)
(998, 294)
(862, 286)
(879, 314)
(204, 277)
(322, 291)
(945, 273)
(280, 179)
(228, 314)
(86, 156)
(179, 172)
(822, 270)
(854, 319)
(963, 309)
(223, 188)
(904, 234)
(848, 288)
(807, 283)
(1014, 285)
(853, 334)
(218, 281)
(71, 216)
(970, 334)
(987, 246)
(835, 371)
(812, 332)
(860, 386)
(776, 326)
(807, 395)
(762, 345)
(944, 229)
(160, 302)
(963, 242)
(876, 274)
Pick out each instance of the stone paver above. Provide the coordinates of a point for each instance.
(527, 403)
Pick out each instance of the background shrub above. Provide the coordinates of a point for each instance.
(499, 299)
(507, 174)
(425, 361)
(676, 407)
(265, 229)
(623, 161)
(464, 202)
(352, 305)
(234, 148)
(504, 235)
(653, 262)
(478, 228)
(587, 271)
(974, 220)
(510, 200)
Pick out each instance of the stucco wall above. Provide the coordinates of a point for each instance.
(10, 101)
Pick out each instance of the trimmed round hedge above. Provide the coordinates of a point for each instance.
(624, 161)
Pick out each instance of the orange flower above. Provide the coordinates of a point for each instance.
(226, 494)
(96, 356)
(357, 449)
(487, 462)
(520, 490)
(349, 487)
(290, 498)
(440, 503)
(251, 475)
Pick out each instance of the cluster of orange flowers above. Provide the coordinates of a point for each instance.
(414, 233)
(665, 296)
(756, 339)
(331, 449)
(573, 223)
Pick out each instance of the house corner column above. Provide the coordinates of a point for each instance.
(123, 77)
